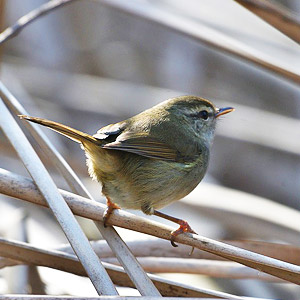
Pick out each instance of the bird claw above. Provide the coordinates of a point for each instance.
(108, 211)
(184, 227)
(172, 242)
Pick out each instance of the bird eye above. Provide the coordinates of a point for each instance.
(203, 114)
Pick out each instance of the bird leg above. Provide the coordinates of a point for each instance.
(110, 208)
(183, 226)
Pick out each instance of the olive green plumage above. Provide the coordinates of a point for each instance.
(153, 158)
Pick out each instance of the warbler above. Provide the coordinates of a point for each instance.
(151, 159)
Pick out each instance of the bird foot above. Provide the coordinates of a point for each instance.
(184, 227)
(108, 211)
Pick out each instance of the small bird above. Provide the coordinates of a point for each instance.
(151, 159)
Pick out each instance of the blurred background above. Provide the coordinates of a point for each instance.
(89, 64)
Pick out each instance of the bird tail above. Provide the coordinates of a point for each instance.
(71, 133)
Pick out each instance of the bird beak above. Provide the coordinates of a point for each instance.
(223, 111)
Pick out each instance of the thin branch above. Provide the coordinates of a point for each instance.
(29, 254)
(44, 9)
(276, 15)
(23, 188)
(60, 209)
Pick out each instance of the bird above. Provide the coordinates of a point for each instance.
(151, 159)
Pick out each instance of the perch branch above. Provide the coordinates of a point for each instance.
(23, 188)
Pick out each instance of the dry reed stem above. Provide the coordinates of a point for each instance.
(23, 188)
(157, 256)
(33, 255)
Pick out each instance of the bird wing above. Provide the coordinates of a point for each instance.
(109, 131)
(143, 145)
